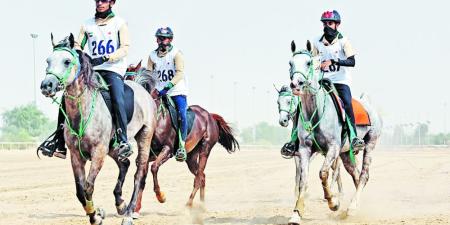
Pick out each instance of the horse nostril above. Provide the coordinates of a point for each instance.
(292, 85)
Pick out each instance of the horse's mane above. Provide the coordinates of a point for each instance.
(146, 78)
(86, 69)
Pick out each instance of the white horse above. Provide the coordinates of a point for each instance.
(287, 108)
(319, 130)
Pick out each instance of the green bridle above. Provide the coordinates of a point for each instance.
(292, 108)
(62, 78)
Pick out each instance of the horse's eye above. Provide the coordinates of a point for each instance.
(308, 64)
(67, 62)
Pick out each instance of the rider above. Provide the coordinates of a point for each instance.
(336, 55)
(106, 36)
(168, 62)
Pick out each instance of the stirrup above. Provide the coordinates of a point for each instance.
(50, 147)
(181, 155)
(358, 144)
(288, 150)
(125, 151)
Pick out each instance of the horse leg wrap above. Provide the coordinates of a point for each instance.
(89, 208)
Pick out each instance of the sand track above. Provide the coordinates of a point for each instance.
(249, 187)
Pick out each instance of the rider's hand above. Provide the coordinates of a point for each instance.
(165, 89)
(325, 65)
(99, 61)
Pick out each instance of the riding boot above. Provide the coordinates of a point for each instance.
(55, 144)
(288, 150)
(181, 104)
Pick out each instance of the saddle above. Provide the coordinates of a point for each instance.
(361, 116)
(174, 117)
(129, 99)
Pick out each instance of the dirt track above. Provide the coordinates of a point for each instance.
(249, 187)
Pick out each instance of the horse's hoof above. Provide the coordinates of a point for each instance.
(100, 212)
(161, 197)
(334, 206)
(295, 219)
(127, 221)
(122, 208)
(135, 215)
(352, 210)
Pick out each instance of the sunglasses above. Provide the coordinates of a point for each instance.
(161, 38)
(328, 23)
(102, 1)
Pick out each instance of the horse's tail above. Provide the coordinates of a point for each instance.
(226, 138)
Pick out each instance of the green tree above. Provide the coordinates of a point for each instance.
(25, 123)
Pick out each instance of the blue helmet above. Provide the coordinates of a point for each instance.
(164, 32)
(331, 16)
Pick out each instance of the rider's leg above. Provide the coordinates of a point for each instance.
(181, 104)
(55, 146)
(346, 97)
(116, 89)
(289, 148)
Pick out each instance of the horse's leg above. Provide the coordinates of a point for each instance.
(330, 158)
(364, 177)
(80, 178)
(123, 165)
(161, 159)
(96, 166)
(351, 168)
(302, 169)
(143, 139)
(297, 175)
(193, 162)
(337, 175)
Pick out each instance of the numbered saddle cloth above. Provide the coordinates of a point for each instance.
(103, 40)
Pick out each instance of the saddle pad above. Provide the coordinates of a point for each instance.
(361, 115)
(190, 115)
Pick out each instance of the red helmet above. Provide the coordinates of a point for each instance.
(331, 16)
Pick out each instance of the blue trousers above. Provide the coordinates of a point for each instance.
(346, 96)
(181, 104)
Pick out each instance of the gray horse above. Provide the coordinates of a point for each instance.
(89, 128)
(319, 129)
(287, 108)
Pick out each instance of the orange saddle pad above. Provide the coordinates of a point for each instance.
(361, 116)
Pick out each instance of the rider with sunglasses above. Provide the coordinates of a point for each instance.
(336, 55)
(106, 36)
(168, 62)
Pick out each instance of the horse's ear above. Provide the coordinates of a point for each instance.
(71, 40)
(293, 46)
(51, 38)
(139, 65)
(276, 88)
(308, 46)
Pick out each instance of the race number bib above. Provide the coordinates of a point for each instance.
(102, 48)
(165, 75)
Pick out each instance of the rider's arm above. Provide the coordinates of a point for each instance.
(124, 45)
(81, 40)
(179, 68)
(349, 53)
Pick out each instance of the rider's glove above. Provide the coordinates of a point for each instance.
(99, 61)
(165, 89)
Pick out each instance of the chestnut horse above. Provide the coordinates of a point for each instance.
(207, 130)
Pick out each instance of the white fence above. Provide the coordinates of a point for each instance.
(18, 145)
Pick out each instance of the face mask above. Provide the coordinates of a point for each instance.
(103, 15)
(329, 33)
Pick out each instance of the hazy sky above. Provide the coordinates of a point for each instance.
(401, 50)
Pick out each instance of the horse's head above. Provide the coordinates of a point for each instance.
(133, 70)
(303, 68)
(63, 67)
(287, 105)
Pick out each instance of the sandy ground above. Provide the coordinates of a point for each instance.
(248, 187)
